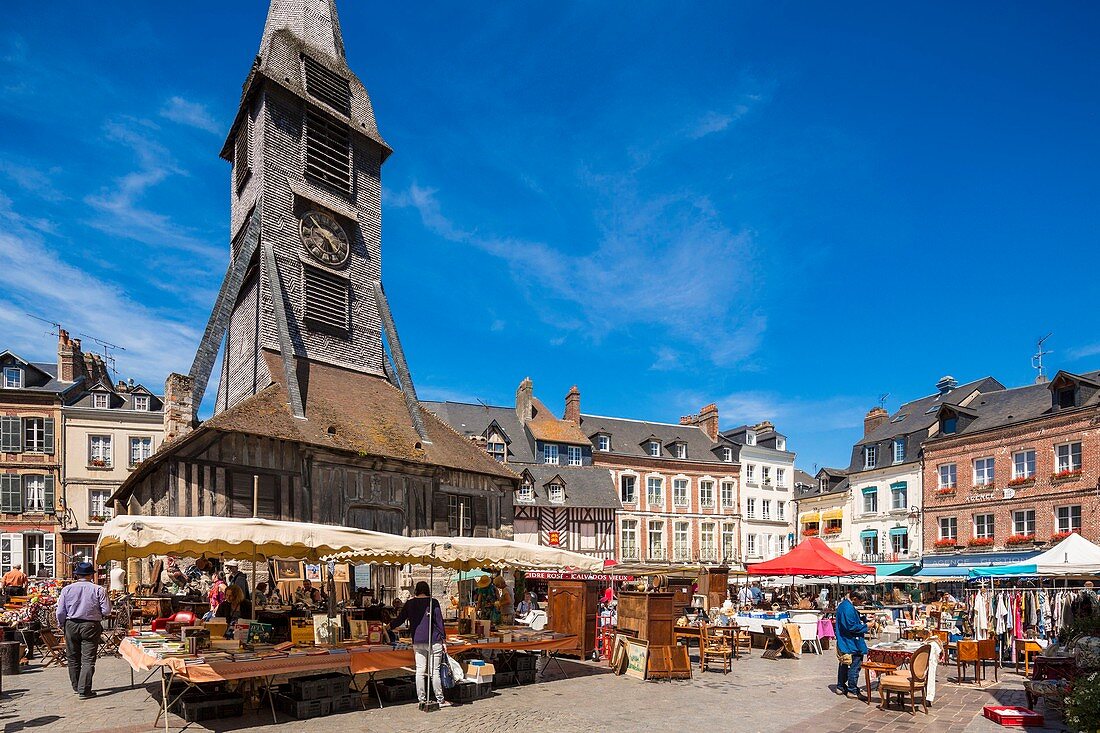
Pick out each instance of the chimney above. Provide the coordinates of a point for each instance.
(707, 419)
(179, 406)
(877, 416)
(573, 405)
(525, 407)
(70, 361)
(946, 384)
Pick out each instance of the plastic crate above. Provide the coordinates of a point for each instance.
(343, 703)
(303, 709)
(194, 707)
(396, 689)
(319, 685)
(525, 676)
(467, 692)
(504, 679)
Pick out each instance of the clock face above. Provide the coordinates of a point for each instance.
(325, 239)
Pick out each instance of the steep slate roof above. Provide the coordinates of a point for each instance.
(627, 437)
(585, 486)
(473, 420)
(1018, 404)
(367, 413)
(911, 422)
(545, 427)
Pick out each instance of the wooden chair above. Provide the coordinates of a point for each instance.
(967, 653)
(911, 683)
(742, 641)
(987, 652)
(714, 645)
(55, 648)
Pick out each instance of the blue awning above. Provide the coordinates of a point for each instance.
(898, 531)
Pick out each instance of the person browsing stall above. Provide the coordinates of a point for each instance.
(428, 636)
(81, 608)
(850, 643)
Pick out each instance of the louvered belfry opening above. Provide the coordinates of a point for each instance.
(327, 86)
(328, 152)
(325, 301)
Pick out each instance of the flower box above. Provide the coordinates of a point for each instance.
(1020, 539)
(1059, 536)
(1062, 476)
(980, 542)
(946, 544)
(1022, 481)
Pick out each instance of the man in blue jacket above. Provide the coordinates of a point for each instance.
(850, 645)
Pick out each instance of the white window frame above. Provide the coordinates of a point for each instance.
(574, 455)
(1068, 516)
(101, 448)
(948, 474)
(556, 493)
(13, 378)
(984, 529)
(728, 494)
(141, 402)
(681, 489)
(100, 401)
(655, 490)
(1023, 522)
(985, 476)
(550, 453)
(706, 492)
(654, 449)
(1067, 457)
(870, 457)
(1025, 457)
(603, 443)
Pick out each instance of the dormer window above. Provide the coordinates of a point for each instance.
(654, 449)
(681, 450)
(750, 438)
(13, 378)
(141, 403)
(557, 493)
(100, 401)
(727, 455)
(870, 456)
(603, 443)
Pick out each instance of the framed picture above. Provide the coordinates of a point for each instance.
(637, 658)
(288, 570)
(313, 573)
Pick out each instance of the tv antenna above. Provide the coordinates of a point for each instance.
(882, 400)
(1037, 360)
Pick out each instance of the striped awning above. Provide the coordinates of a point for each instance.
(833, 514)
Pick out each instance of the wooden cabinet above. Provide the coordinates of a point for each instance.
(572, 609)
(650, 615)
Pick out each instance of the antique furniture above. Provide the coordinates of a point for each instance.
(912, 683)
(572, 608)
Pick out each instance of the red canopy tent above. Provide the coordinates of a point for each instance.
(810, 557)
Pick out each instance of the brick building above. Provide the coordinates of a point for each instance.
(678, 485)
(1013, 470)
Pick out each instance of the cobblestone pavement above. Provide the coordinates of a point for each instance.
(760, 695)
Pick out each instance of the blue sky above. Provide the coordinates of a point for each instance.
(786, 208)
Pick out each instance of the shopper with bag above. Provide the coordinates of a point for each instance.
(428, 637)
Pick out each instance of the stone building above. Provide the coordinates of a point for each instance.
(678, 484)
(767, 489)
(108, 430)
(563, 499)
(1013, 470)
(885, 477)
(316, 411)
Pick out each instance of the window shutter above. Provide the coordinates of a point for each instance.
(48, 493)
(47, 433)
(11, 435)
(11, 494)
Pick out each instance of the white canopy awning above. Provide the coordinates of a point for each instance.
(135, 535)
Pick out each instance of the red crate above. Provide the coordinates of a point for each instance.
(1010, 715)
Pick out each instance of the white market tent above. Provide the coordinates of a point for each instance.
(246, 538)
(1072, 556)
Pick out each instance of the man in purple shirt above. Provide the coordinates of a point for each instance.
(81, 608)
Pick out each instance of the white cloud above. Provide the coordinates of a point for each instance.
(34, 279)
(179, 110)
